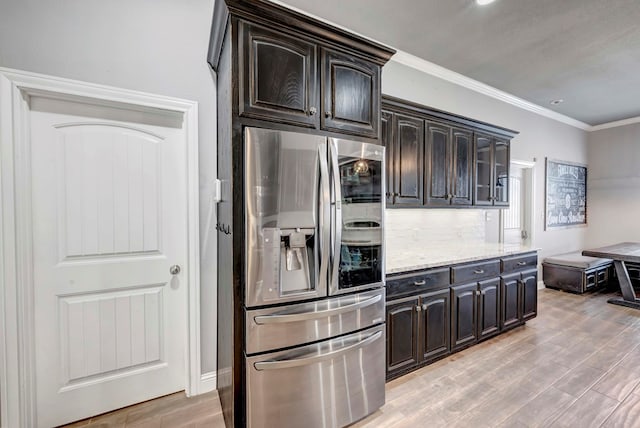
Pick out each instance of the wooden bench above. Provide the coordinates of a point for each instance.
(576, 273)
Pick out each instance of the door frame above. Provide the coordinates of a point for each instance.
(529, 173)
(17, 330)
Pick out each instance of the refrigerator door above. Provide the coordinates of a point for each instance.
(296, 324)
(287, 216)
(357, 174)
(328, 384)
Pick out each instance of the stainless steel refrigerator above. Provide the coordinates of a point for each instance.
(314, 351)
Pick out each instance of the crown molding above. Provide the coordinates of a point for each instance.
(616, 124)
(427, 67)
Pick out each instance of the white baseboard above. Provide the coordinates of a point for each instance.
(541, 285)
(208, 382)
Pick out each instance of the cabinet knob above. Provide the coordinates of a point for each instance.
(312, 111)
(327, 114)
(418, 308)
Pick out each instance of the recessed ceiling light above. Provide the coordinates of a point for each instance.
(556, 102)
(483, 2)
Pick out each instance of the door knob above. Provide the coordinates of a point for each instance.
(174, 270)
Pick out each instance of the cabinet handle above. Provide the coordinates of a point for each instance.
(522, 263)
(327, 114)
(421, 282)
(418, 308)
(312, 111)
(478, 272)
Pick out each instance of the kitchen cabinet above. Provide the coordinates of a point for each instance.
(351, 94)
(386, 139)
(441, 310)
(488, 308)
(408, 150)
(440, 159)
(464, 304)
(449, 154)
(434, 324)
(282, 80)
(491, 171)
(279, 76)
(402, 334)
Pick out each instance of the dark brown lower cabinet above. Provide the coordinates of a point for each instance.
(464, 304)
(488, 308)
(434, 324)
(418, 331)
(423, 326)
(402, 334)
(529, 294)
(511, 308)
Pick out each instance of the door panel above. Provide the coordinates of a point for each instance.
(402, 323)
(435, 326)
(438, 161)
(279, 77)
(464, 311)
(462, 165)
(501, 173)
(108, 216)
(386, 139)
(351, 87)
(511, 307)
(529, 294)
(408, 149)
(483, 170)
(488, 308)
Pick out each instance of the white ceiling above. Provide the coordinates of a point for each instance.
(586, 52)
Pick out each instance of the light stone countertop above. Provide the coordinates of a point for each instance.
(411, 258)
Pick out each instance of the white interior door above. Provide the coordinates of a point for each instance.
(109, 220)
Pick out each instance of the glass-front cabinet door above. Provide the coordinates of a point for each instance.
(358, 207)
(484, 170)
(501, 173)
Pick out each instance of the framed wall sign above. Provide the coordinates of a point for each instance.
(566, 194)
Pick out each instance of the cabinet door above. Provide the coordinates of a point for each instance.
(501, 173)
(434, 324)
(511, 306)
(437, 165)
(488, 308)
(464, 315)
(386, 139)
(408, 151)
(483, 194)
(351, 94)
(402, 326)
(278, 77)
(529, 294)
(461, 169)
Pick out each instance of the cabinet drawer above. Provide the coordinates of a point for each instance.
(520, 262)
(405, 285)
(475, 271)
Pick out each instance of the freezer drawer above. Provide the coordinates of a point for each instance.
(292, 325)
(328, 384)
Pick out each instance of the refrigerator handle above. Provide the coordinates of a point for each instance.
(337, 216)
(314, 358)
(324, 223)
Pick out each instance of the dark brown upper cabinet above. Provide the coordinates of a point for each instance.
(449, 154)
(279, 77)
(491, 171)
(386, 138)
(351, 94)
(464, 162)
(408, 146)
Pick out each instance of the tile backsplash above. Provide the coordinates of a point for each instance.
(437, 228)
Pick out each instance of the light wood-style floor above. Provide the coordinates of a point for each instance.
(577, 365)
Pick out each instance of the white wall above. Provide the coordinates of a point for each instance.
(539, 137)
(613, 185)
(156, 46)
